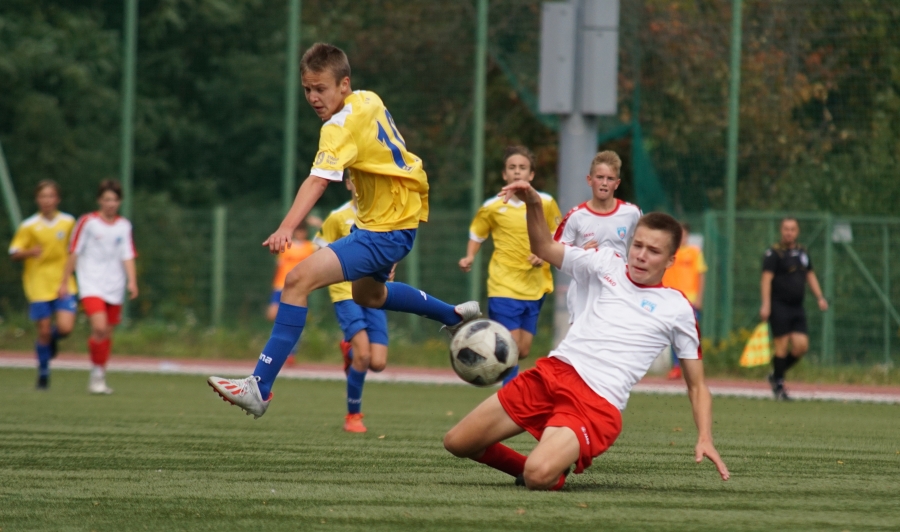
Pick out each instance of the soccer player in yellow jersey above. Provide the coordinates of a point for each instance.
(365, 344)
(517, 279)
(42, 243)
(358, 134)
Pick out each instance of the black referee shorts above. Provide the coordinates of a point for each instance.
(786, 319)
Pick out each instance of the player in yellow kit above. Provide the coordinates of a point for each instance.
(42, 243)
(517, 279)
(358, 134)
(365, 343)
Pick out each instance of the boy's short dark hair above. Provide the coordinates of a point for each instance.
(323, 56)
(111, 185)
(518, 150)
(661, 221)
(46, 183)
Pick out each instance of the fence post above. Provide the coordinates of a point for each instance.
(9, 194)
(289, 155)
(710, 291)
(828, 317)
(414, 278)
(886, 286)
(480, 98)
(217, 300)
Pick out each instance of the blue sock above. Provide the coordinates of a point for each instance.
(512, 375)
(355, 381)
(404, 298)
(289, 324)
(43, 355)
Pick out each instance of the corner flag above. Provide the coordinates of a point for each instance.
(757, 352)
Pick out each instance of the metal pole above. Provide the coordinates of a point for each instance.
(478, 133)
(886, 287)
(289, 172)
(710, 292)
(9, 193)
(828, 317)
(217, 296)
(414, 278)
(731, 170)
(128, 89)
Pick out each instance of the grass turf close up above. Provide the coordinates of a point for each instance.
(165, 453)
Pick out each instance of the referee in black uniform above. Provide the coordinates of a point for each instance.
(786, 270)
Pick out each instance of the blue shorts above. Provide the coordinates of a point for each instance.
(275, 298)
(354, 318)
(370, 254)
(45, 309)
(515, 313)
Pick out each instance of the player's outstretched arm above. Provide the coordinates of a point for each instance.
(542, 243)
(310, 192)
(701, 404)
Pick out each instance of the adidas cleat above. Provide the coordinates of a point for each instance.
(241, 392)
(468, 311)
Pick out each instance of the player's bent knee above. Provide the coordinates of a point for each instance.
(377, 365)
(540, 476)
(456, 445)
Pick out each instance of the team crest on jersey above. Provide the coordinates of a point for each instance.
(621, 231)
(804, 259)
(60, 235)
(647, 305)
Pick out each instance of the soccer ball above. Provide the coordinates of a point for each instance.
(482, 352)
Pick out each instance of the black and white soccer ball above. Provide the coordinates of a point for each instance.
(482, 352)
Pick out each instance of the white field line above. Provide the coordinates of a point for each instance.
(241, 368)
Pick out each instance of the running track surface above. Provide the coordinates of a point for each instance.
(655, 385)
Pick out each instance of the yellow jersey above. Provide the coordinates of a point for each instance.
(391, 186)
(336, 226)
(43, 274)
(510, 274)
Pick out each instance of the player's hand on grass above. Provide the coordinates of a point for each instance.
(465, 264)
(707, 449)
(764, 312)
(535, 260)
(279, 241)
(591, 244)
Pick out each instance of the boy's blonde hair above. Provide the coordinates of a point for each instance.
(609, 158)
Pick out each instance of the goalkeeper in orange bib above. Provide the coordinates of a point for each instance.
(358, 134)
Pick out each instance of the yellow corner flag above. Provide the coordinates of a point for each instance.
(757, 352)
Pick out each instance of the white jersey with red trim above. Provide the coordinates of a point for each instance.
(613, 229)
(625, 325)
(102, 247)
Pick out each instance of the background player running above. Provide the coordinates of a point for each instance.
(365, 343)
(571, 401)
(358, 134)
(786, 270)
(517, 279)
(42, 243)
(687, 275)
(102, 257)
(301, 248)
(602, 221)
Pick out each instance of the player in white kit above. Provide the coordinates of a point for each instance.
(102, 257)
(571, 400)
(602, 221)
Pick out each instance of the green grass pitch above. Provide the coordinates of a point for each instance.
(164, 453)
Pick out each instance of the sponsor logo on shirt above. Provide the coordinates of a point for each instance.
(621, 231)
(648, 305)
(609, 280)
(501, 210)
(588, 235)
(320, 158)
(587, 439)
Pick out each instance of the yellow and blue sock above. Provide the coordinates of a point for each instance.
(512, 375)
(355, 381)
(404, 298)
(289, 323)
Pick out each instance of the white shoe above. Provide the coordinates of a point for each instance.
(241, 392)
(97, 383)
(468, 311)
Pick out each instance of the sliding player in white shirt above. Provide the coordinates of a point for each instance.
(571, 400)
(602, 221)
(102, 256)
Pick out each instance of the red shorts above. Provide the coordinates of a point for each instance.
(552, 394)
(93, 305)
